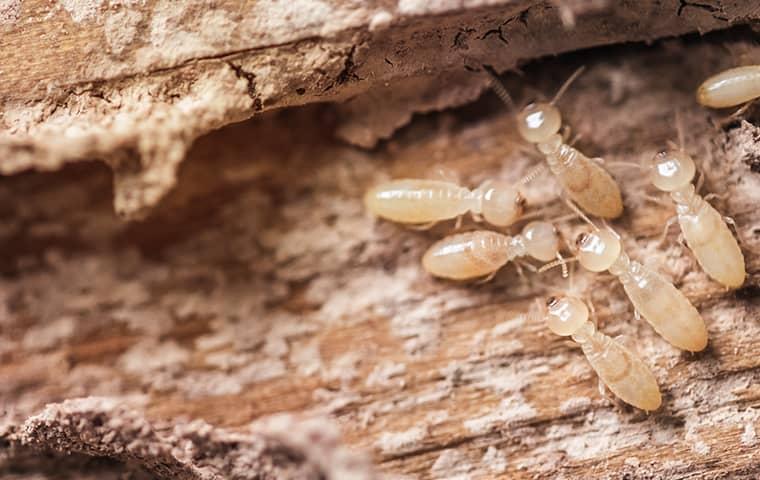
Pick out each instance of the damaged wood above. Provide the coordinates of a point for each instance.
(150, 77)
(260, 322)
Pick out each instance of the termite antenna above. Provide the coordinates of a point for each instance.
(566, 85)
(499, 89)
(578, 212)
(560, 261)
(610, 229)
(624, 164)
(560, 258)
(532, 174)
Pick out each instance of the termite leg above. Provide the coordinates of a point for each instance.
(487, 278)
(722, 122)
(570, 344)
(566, 132)
(527, 265)
(636, 315)
(668, 224)
(700, 181)
(603, 391)
(738, 113)
(458, 223)
(730, 221)
(658, 201)
(710, 196)
(541, 213)
(421, 226)
(598, 160)
(519, 270)
(592, 313)
(681, 240)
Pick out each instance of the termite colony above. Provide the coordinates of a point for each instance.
(589, 190)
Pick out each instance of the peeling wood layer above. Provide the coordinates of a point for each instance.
(142, 80)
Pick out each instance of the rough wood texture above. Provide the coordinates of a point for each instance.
(259, 314)
(134, 83)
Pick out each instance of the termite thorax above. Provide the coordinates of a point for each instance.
(516, 246)
(585, 334)
(621, 266)
(559, 155)
(475, 201)
(629, 271)
(686, 199)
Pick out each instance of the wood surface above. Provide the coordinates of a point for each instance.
(134, 83)
(258, 323)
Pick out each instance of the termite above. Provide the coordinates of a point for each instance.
(585, 181)
(661, 304)
(481, 253)
(704, 229)
(425, 202)
(731, 87)
(623, 372)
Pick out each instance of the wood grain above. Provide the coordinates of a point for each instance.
(135, 83)
(261, 287)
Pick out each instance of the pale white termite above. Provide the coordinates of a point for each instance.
(703, 228)
(481, 253)
(622, 371)
(731, 87)
(424, 202)
(585, 181)
(661, 304)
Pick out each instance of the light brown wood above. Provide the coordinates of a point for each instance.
(135, 83)
(260, 286)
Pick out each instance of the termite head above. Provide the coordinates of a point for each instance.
(502, 204)
(541, 241)
(672, 170)
(537, 122)
(597, 249)
(565, 315)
